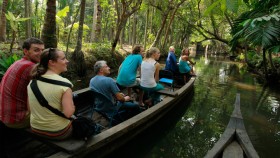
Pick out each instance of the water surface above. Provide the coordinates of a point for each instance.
(191, 129)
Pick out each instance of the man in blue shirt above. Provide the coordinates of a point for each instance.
(108, 88)
(171, 61)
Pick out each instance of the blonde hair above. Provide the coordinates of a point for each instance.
(151, 51)
(171, 48)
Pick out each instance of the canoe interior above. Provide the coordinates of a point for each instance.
(20, 144)
(234, 138)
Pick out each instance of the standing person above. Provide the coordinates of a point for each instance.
(171, 61)
(14, 112)
(108, 88)
(150, 74)
(43, 121)
(184, 64)
(128, 69)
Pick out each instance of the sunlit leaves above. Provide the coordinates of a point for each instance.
(14, 20)
(231, 5)
(261, 31)
(63, 13)
(211, 7)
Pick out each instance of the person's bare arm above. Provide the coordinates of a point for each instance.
(67, 103)
(121, 97)
(157, 72)
(189, 60)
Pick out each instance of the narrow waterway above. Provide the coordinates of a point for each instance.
(192, 128)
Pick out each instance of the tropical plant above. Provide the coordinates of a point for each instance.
(14, 22)
(6, 62)
(259, 27)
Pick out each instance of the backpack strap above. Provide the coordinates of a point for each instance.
(56, 82)
(43, 102)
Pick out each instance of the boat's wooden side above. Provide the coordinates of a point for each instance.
(235, 140)
(113, 138)
(25, 144)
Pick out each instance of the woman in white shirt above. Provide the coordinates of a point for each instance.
(150, 76)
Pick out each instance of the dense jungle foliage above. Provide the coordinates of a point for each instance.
(90, 30)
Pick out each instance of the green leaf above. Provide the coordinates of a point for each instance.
(63, 13)
(211, 7)
(11, 15)
(8, 17)
(274, 49)
(223, 5)
(22, 19)
(232, 5)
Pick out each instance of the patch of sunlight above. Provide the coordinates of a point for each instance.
(244, 86)
(213, 139)
(274, 103)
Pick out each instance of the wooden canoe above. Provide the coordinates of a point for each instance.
(108, 140)
(235, 141)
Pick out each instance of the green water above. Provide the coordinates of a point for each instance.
(192, 129)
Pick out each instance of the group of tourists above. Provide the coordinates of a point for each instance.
(21, 108)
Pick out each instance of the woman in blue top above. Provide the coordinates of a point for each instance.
(184, 62)
(128, 69)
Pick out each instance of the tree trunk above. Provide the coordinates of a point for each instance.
(265, 64)
(71, 28)
(123, 13)
(78, 55)
(35, 14)
(98, 23)
(271, 62)
(13, 41)
(116, 39)
(164, 18)
(129, 32)
(134, 29)
(94, 22)
(171, 21)
(146, 28)
(28, 11)
(49, 28)
(3, 21)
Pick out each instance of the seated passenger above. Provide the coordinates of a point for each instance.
(43, 121)
(150, 75)
(171, 62)
(14, 112)
(128, 69)
(184, 66)
(108, 87)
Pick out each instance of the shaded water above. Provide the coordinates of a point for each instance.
(192, 129)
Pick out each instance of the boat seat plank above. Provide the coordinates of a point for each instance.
(233, 150)
(70, 145)
(168, 92)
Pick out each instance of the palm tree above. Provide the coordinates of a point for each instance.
(259, 27)
(49, 28)
(3, 21)
(78, 55)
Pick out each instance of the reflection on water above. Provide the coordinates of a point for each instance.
(207, 116)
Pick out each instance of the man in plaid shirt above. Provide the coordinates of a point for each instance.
(14, 111)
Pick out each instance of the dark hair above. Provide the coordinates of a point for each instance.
(183, 51)
(137, 49)
(27, 43)
(42, 67)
